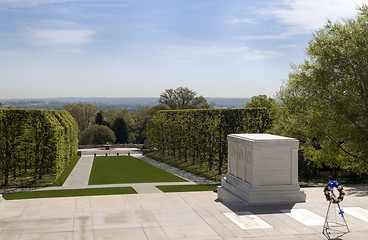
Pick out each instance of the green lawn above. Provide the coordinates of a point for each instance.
(126, 169)
(187, 188)
(69, 193)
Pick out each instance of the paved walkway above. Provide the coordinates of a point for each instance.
(79, 176)
(191, 215)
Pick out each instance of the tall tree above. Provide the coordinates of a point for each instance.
(325, 101)
(82, 113)
(97, 134)
(142, 119)
(99, 118)
(261, 101)
(129, 118)
(182, 98)
(121, 131)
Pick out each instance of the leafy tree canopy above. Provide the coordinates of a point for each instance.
(82, 113)
(97, 134)
(325, 101)
(121, 131)
(182, 98)
(131, 121)
(100, 120)
(261, 101)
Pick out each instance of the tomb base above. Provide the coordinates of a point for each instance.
(233, 190)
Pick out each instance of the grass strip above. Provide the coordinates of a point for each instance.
(127, 169)
(187, 188)
(60, 181)
(69, 193)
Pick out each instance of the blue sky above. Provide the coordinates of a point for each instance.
(139, 48)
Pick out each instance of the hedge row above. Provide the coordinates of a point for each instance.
(199, 135)
(34, 143)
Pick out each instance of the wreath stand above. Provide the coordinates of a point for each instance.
(335, 224)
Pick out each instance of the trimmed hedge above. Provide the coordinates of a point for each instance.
(36, 142)
(200, 135)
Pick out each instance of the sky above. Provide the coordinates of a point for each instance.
(140, 48)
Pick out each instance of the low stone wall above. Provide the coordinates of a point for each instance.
(128, 145)
(110, 152)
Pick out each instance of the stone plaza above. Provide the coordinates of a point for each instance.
(189, 215)
(151, 214)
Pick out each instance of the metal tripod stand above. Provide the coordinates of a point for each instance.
(335, 224)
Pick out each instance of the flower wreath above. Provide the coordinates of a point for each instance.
(328, 191)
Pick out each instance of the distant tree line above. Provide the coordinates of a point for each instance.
(124, 126)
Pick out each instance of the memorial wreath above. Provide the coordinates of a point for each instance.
(330, 196)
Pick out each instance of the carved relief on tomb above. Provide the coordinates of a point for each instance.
(232, 160)
(248, 159)
(241, 163)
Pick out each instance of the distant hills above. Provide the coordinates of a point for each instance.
(106, 103)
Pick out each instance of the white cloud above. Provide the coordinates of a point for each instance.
(241, 20)
(107, 5)
(70, 50)
(287, 46)
(49, 22)
(10, 53)
(310, 15)
(28, 3)
(240, 53)
(260, 55)
(219, 50)
(62, 36)
(35, 3)
(284, 35)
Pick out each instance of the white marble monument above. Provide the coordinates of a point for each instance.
(262, 168)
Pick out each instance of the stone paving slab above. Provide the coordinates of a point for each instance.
(187, 215)
(247, 220)
(144, 188)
